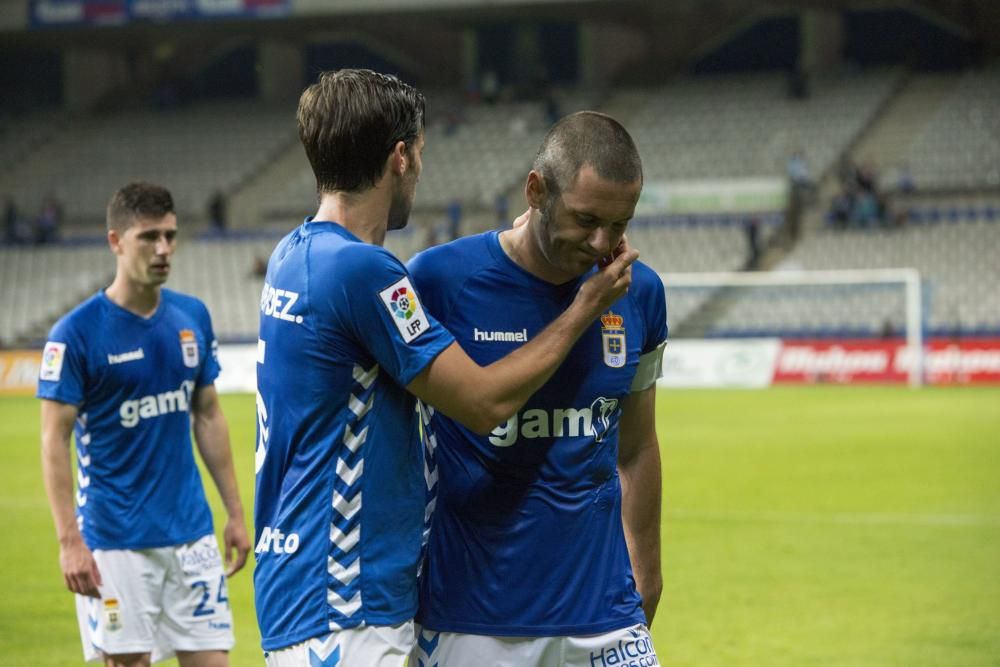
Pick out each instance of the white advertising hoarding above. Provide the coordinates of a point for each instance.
(747, 363)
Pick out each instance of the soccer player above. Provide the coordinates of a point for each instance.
(131, 369)
(544, 544)
(345, 346)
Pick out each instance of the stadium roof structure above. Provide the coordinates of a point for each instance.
(978, 19)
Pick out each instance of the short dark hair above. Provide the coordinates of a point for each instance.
(582, 138)
(350, 120)
(138, 200)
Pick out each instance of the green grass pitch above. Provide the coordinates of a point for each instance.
(822, 526)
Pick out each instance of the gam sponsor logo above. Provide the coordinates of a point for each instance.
(134, 410)
(594, 421)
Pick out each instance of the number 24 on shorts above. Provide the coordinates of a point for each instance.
(203, 608)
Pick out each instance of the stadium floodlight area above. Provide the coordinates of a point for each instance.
(796, 304)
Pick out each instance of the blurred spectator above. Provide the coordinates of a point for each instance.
(501, 209)
(454, 214)
(904, 181)
(217, 212)
(48, 221)
(888, 330)
(552, 112)
(798, 171)
(840, 209)
(791, 225)
(865, 211)
(846, 172)
(801, 184)
(259, 268)
(430, 236)
(859, 203)
(489, 86)
(867, 177)
(11, 222)
(751, 228)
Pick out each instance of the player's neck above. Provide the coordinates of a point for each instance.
(142, 300)
(365, 215)
(520, 246)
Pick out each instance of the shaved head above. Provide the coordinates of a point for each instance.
(587, 138)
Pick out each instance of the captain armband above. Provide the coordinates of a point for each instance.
(650, 369)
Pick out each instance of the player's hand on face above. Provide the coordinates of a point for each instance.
(235, 538)
(522, 219)
(611, 282)
(80, 569)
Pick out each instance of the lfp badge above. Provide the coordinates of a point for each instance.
(613, 339)
(407, 313)
(403, 303)
(189, 348)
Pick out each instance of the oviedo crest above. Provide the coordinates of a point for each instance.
(613, 339)
(112, 615)
(189, 348)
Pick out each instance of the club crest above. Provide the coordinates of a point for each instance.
(112, 615)
(189, 348)
(613, 339)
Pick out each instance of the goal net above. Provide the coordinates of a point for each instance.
(865, 304)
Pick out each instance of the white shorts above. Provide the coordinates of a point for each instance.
(628, 647)
(370, 646)
(157, 601)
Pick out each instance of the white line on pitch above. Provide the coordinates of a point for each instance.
(846, 518)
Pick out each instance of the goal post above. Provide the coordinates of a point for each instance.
(907, 279)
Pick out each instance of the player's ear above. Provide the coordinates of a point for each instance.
(535, 190)
(114, 240)
(399, 158)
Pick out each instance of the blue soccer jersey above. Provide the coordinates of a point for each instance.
(526, 538)
(340, 486)
(132, 380)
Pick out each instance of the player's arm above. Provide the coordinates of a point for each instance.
(639, 470)
(211, 433)
(75, 559)
(481, 397)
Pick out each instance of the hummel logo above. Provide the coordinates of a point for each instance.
(134, 355)
(501, 336)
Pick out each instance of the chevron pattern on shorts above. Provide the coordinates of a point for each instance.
(324, 651)
(427, 643)
(343, 593)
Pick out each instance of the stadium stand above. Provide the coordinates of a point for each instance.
(715, 127)
(957, 263)
(194, 151)
(943, 127)
(960, 147)
(21, 133)
(221, 273)
(730, 126)
(701, 245)
(39, 284)
(482, 151)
